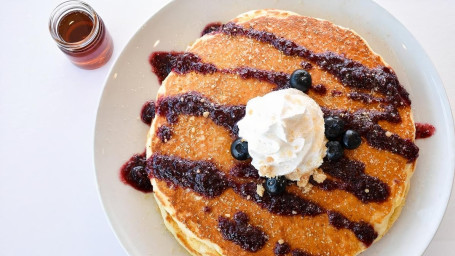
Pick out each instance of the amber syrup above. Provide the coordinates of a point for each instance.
(75, 26)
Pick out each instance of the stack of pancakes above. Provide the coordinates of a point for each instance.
(194, 217)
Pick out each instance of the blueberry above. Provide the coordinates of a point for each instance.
(301, 80)
(334, 127)
(334, 150)
(351, 139)
(275, 186)
(239, 149)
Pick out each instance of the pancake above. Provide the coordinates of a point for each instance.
(213, 204)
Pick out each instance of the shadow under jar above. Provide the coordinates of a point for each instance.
(80, 33)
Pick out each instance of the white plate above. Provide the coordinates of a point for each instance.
(120, 133)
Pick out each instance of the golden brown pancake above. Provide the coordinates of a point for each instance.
(339, 216)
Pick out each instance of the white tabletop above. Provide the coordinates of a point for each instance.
(48, 197)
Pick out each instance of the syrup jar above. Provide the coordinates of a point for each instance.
(81, 34)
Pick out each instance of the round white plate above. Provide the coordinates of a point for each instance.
(120, 133)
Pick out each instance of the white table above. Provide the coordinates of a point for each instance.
(48, 199)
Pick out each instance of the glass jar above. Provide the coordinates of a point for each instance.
(80, 33)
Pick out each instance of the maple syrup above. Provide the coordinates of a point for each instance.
(75, 27)
(81, 34)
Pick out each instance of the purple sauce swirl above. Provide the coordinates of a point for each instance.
(239, 231)
(194, 104)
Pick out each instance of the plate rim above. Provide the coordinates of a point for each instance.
(101, 199)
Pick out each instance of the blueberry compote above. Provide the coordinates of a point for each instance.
(424, 130)
(164, 132)
(365, 122)
(148, 112)
(244, 170)
(281, 249)
(319, 89)
(201, 176)
(362, 230)
(183, 62)
(239, 231)
(195, 104)
(134, 174)
(204, 178)
(349, 72)
(211, 27)
(298, 252)
(352, 178)
(286, 204)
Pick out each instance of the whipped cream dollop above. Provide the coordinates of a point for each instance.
(285, 134)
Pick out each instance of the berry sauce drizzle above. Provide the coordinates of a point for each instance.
(353, 179)
(148, 112)
(204, 178)
(319, 89)
(288, 204)
(162, 63)
(281, 249)
(244, 170)
(207, 209)
(193, 103)
(365, 123)
(164, 132)
(200, 176)
(349, 72)
(284, 248)
(211, 27)
(306, 65)
(298, 252)
(285, 204)
(249, 237)
(134, 173)
(365, 98)
(336, 93)
(364, 187)
(424, 130)
(184, 62)
(362, 230)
